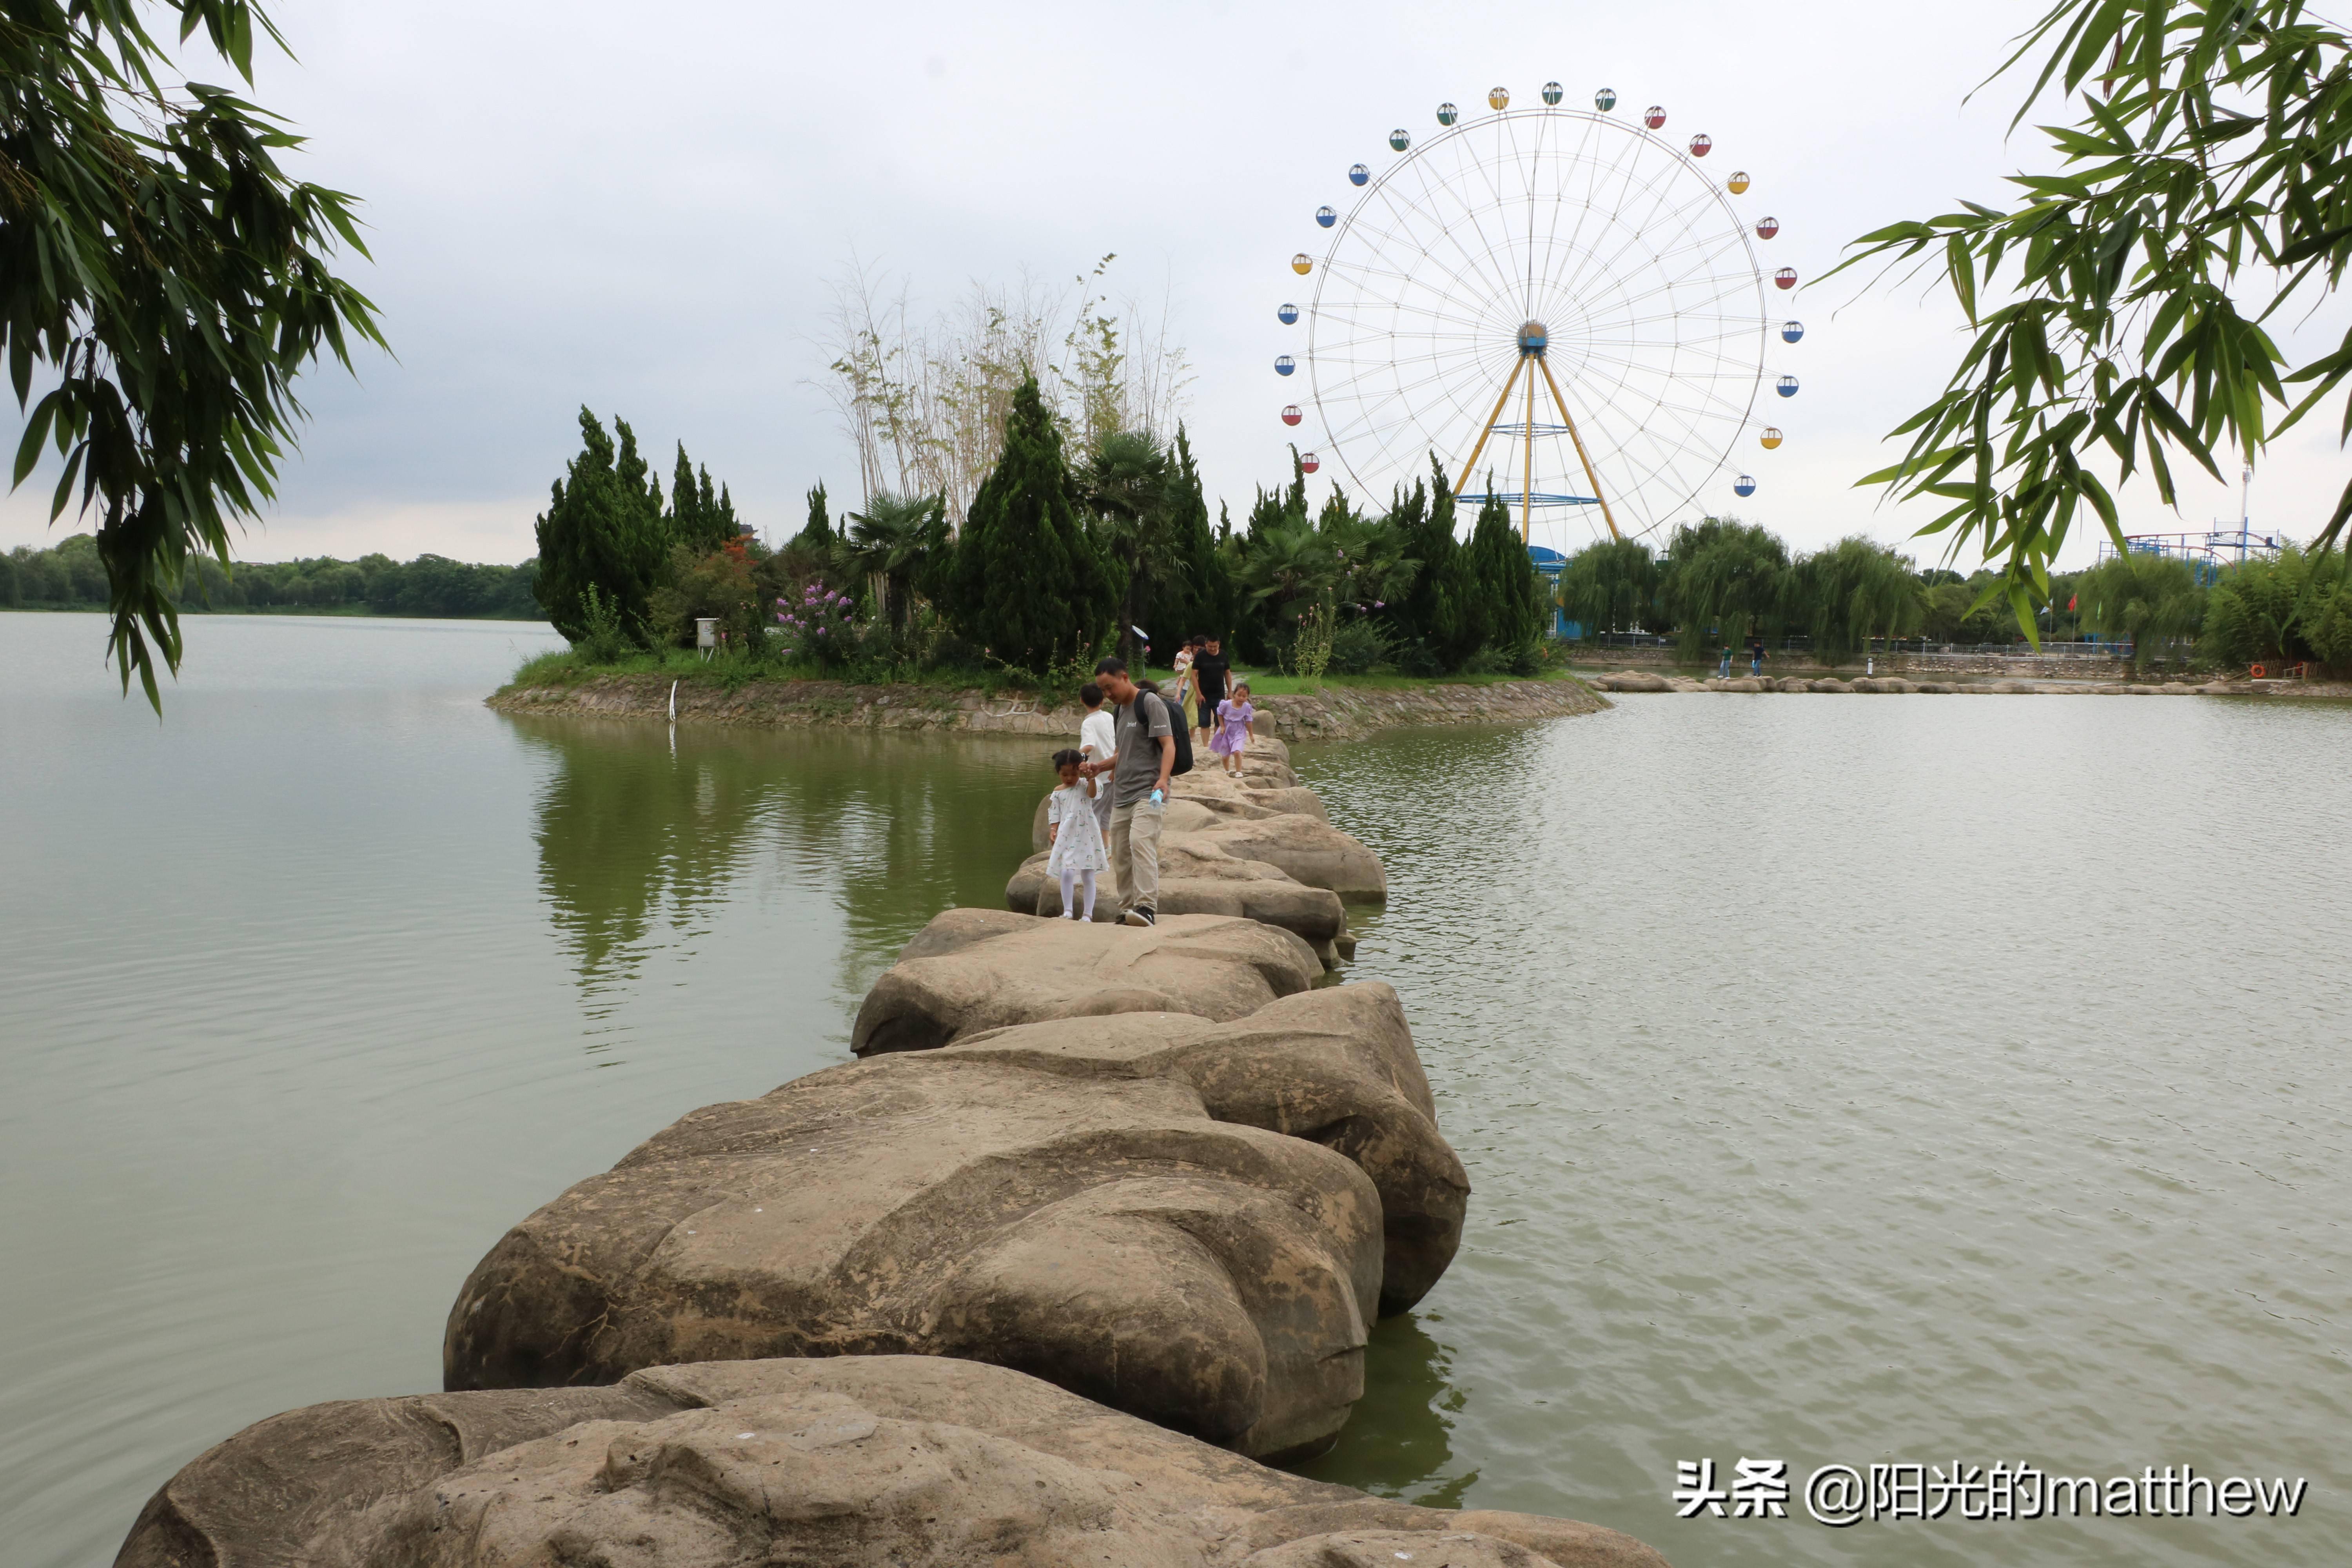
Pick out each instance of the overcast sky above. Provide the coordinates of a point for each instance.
(641, 208)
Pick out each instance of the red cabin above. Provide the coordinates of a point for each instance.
(1308, 462)
(1290, 415)
(1702, 145)
(1786, 278)
(1767, 228)
(1655, 116)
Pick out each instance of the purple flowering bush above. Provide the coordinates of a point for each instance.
(821, 627)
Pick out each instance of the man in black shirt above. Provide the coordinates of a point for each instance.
(1210, 672)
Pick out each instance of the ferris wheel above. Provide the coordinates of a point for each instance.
(1565, 300)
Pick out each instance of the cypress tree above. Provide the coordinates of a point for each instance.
(818, 533)
(1503, 612)
(1201, 595)
(603, 528)
(1028, 584)
(1436, 612)
(698, 518)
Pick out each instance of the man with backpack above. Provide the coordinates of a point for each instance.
(1140, 766)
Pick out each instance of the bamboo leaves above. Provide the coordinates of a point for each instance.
(2126, 324)
(156, 260)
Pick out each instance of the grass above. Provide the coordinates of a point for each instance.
(567, 668)
(1294, 686)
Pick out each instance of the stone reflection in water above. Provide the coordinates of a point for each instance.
(646, 836)
(1398, 1443)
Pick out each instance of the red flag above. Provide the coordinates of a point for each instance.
(2070, 601)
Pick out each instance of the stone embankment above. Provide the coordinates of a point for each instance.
(1334, 713)
(1102, 1216)
(1649, 681)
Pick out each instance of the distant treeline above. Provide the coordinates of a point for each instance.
(69, 576)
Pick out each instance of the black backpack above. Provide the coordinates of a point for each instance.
(1176, 729)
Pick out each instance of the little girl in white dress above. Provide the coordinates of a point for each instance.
(1075, 835)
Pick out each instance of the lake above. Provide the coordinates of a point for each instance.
(1843, 1081)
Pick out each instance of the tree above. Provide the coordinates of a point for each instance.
(1435, 621)
(2281, 612)
(698, 519)
(2208, 188)
(893, 543)
(1855, 591)
(1126, 483)
(1506, 598)
(1197, 595)
(156, 260)
(1027, 584)
(818, 529)
(1610, 584)
(2152, 599)
(604, 528)
(1723, 578)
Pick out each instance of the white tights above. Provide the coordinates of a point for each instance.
(1070, 881)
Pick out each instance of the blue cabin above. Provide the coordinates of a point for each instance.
(1744, 486)
(1327, 217)
(1791, 330)
(1359, 174)
(1284, 364)
(1786, 386)
(1289, 314)
(1548, 565)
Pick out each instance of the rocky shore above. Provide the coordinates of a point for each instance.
(1333, 713)
(1650, 680)
(1099, 1221)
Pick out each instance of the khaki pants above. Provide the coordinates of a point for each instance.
(1135, 854)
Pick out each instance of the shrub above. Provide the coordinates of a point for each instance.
(820, 628)
(1359, 647)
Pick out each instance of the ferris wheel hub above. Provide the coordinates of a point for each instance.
(1533, 338)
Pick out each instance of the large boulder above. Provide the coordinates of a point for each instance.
(1633, 680)
(856, 1462)
(983, 969)
(1307, 850)
(1335, 1065)
(1213, 884)
(1192, 1223)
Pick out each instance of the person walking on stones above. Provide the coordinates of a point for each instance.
(1186, 652)
(1075, 836)
(1210, 670)
(1232, 739)
(1755, 654)
(1098, 742)
(1140, 769)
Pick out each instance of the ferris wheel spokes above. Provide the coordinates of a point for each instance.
(1534, 339)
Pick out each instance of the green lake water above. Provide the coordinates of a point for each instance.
(1841, 1081)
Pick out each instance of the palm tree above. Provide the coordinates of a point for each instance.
(1285, 566)
(893, 543)
(1125, 482)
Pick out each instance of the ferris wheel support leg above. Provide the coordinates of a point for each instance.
(1528, 479)
(1582, 456)
(1508, 382)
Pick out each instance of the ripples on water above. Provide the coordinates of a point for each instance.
(1827, 1098)
(1859, 1081)
(311, 990)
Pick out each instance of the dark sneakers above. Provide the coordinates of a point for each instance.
(1138, 917)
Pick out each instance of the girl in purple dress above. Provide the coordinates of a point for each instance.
(1234, 716)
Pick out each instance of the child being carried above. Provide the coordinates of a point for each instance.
(1076, 836)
